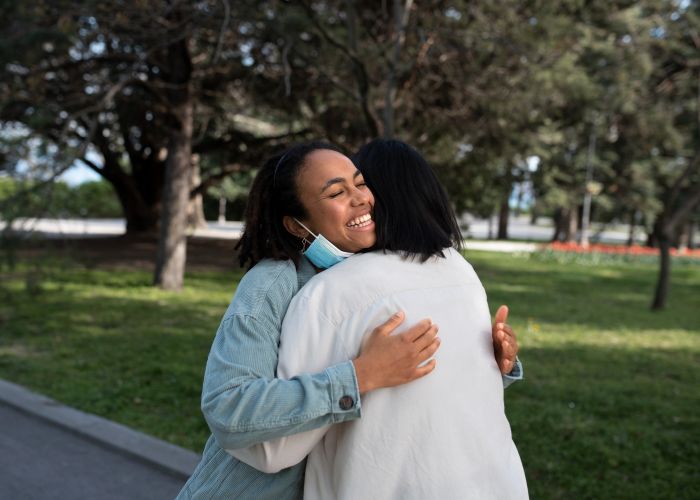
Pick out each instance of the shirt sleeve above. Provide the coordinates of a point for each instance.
(514, 375)
(300, 331)
(242, 401)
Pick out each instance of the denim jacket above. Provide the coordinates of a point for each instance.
(244, 403)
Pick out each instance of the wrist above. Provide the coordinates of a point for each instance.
(363, 375)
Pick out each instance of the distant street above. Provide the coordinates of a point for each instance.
(519, 228)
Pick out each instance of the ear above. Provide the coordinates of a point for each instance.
(293, 227)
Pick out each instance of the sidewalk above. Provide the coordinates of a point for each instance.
(519, 228)
(50, 451)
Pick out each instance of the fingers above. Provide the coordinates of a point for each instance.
(415, 332)
(391, 324)
(504, 334)
(429, 350)
(509, 343)
(426, 339)
(507, 330)
(502, 314)
(426, 346)
(506, 365)
(422, 371)
(505, 345)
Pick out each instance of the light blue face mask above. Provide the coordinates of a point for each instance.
(322, 253)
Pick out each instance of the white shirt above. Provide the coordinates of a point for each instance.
(443, 436)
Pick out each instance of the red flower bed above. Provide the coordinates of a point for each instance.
(618, 249)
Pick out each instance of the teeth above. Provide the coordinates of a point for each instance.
(360, 221)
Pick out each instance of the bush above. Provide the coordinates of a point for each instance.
(94, 199)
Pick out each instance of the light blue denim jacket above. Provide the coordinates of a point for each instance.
(245, 404)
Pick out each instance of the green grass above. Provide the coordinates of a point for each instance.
(110, 344)
(608, 409)
(609, 406)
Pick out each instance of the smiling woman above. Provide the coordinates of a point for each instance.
(337, 202)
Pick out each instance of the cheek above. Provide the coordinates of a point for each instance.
(330, 219)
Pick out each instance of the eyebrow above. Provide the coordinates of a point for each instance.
(336, 180)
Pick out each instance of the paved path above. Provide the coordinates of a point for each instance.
(50, 451)
(519, 228)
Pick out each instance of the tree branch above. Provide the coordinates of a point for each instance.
(224, 27)
(215, 178)
(361, 77)
(92, 165)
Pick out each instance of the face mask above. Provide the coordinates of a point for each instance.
(322, 253)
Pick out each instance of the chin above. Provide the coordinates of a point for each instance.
(367, 244)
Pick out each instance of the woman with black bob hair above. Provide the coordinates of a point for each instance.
(311, 192)
(445, 436)
(412, 210)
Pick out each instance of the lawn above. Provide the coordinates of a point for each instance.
(609, 408)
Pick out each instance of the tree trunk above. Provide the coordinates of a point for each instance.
(519, 201)
(632, 227)
(558, 220)
(534, 215)
(691, 235)
(172, 246)
(683, 237)
(195, 209)
(651, 240)
(503, 213)
(661, 292)
(138, 192)
(222, 210)
(571, 224)
(401, 13)
(141, 217)
(360, 71)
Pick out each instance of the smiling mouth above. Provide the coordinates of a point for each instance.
(361, 221)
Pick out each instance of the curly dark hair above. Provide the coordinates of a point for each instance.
(272, 196)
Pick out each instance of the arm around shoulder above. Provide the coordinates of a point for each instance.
(244, 404)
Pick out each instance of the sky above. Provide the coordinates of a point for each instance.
(79, 174)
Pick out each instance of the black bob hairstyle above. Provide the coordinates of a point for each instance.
(272, 196)
(412, 212)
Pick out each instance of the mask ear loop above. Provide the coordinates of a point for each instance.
(305, 244)
(302, 225)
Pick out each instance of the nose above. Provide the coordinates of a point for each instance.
(362, 197)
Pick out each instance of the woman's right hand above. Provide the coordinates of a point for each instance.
(388, 360)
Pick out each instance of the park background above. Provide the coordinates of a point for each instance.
(583, 114)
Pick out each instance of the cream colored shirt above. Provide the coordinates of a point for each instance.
(444, 436)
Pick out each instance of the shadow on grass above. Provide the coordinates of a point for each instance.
(595, 423)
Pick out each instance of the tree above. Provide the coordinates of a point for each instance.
(156, 95)
(676, 87)
(123, 79)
